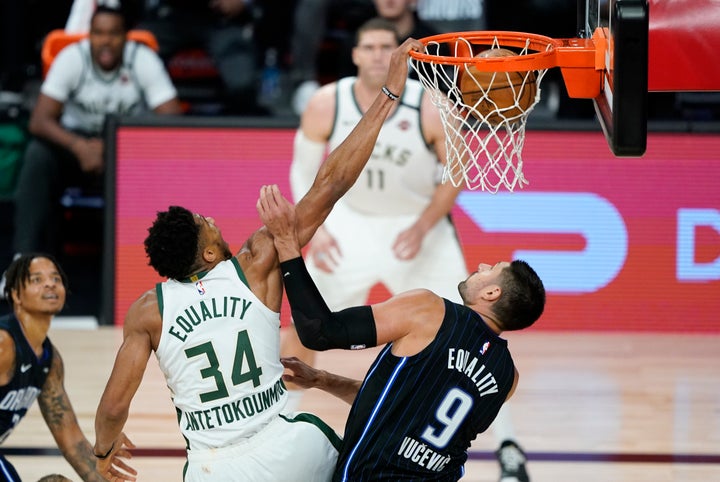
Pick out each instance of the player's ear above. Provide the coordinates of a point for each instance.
(15, 294)
(209, 254)
(491, 292)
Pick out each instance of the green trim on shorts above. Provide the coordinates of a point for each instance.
(334, 439)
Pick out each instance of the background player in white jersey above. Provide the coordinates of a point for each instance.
(393, 225)
(31, 366)
(104, 74)
(215, 329)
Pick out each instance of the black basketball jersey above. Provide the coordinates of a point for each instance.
(414, 417)
(30, 375)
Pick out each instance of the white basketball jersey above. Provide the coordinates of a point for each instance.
(220, 353)
(403, 171)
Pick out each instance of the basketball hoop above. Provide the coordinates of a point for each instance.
(485, 85)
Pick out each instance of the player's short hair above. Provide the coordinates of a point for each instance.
(18, 273)
(172, 242)
(377, 23)
(522, 300)
(125, 9)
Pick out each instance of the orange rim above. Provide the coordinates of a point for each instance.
(543, 56)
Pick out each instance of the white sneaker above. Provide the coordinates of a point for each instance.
(302, 95)
(3, 281)
(512, 463)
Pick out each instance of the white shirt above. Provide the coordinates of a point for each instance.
(89, 94)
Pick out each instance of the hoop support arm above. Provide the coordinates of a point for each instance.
(581, 63)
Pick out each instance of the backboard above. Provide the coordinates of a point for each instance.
(620, 29)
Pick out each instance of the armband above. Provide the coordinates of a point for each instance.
(317, 327)
(107, 454)
(308, 155)
(387, 92)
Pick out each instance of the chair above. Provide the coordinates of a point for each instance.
(58, 39)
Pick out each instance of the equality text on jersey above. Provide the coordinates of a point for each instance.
(197, 313)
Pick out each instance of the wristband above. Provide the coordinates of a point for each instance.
(103, 457)
(387, 92)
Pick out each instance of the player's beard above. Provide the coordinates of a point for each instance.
(226, 251)
(462, 289)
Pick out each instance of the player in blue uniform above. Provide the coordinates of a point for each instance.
(31, 367)
(440, 380)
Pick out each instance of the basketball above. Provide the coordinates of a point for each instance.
(496, 101)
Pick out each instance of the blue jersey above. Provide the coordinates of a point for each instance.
(26, 384)
(415, 417)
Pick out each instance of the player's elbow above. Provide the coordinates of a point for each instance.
(351, 328)
(311, 335)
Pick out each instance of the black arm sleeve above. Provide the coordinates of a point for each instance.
(319, 328)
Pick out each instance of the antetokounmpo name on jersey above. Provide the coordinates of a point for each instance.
(235, 411)
(195, 314)
(463, 361)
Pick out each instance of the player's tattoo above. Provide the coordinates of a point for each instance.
(61, 420)
(54, 402)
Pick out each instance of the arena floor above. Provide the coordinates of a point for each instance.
(595, 407)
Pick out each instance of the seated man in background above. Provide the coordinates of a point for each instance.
(104, 74)
(31, 367)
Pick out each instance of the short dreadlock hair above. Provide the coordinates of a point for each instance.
(18, 273)
(172, 243)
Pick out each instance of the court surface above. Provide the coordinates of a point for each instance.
(596, 407)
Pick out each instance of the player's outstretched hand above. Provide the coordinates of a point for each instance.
(114, 467)
(278, 215)
(302, 374)
(398, 73)
(305, 376)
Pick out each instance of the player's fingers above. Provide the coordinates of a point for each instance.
(127, 442)
(124, 453)
(124, 467)
(260, 205)
(322, 261)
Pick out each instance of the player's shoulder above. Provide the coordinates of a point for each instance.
(6, 340)
(71, 56)
(139, 52)
(317, 119)
(147, 303)
(322, 100)
(420, 298)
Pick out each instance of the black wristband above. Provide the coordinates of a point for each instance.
(103, 457)
(387, 92)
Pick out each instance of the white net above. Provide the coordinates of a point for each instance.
(484, 112)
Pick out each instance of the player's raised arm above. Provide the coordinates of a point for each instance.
(344, 164)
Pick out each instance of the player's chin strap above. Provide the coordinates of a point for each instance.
(319, 328)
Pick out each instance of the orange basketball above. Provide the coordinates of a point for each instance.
(503, 94)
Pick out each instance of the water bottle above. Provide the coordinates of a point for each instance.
(270, 85)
